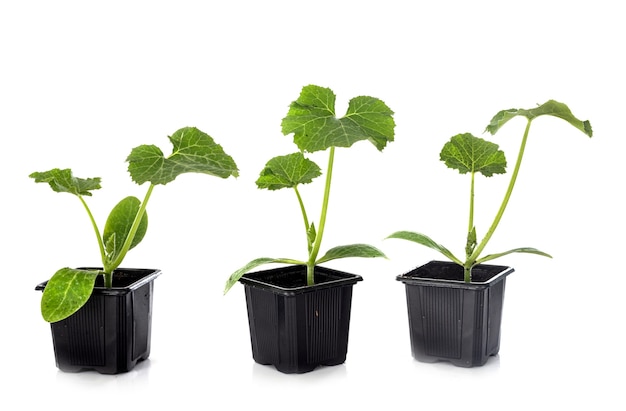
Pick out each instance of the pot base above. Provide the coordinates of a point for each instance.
(294, 327)
(450, 320)
(111, 333)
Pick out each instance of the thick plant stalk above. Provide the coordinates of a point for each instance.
(505, 201)
(322, 224)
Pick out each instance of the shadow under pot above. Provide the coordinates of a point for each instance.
(295, 327)
(111, 333)
(451, 320)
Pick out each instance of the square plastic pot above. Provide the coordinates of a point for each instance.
(451, 320)
(295, 327)
(111, 333)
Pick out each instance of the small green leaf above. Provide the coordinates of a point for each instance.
(312, 120)
(234, 277)
(551, 108)
(119, 223)
(287, 172)
(352, 250)
(470, 154)
(471, 242)
(311, 234)
(425, 241)
(194, 152)
(527, 250)
(66, 292)
(62, 181)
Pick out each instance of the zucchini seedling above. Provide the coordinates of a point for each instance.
(469, 154)
(312, 121)
(194, 152)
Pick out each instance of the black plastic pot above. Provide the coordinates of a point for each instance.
(451, 320)
(111, 332)
(296, 327)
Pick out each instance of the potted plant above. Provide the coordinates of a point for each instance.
(455, 306)
(299, 314)
(101, 316)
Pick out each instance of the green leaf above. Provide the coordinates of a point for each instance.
(527, 250)
(194, 152)
(63, 181)
(66, 292)
(312, 120)
(234, 277)
(470, 154)
(287, 172)
(471, 242)
(118, 226)
(352, 250)
(551, 108)
(425, 241)
(311, 235)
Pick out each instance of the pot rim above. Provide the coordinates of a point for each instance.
(336, 278)
(409, 279)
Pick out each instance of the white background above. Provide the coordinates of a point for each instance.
(82, 83)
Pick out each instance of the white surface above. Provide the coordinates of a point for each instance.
(82, 84)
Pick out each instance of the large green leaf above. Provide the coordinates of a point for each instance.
(287, 172)
(66, 292)
(194, 152)
(312, 120)
(118, 226)
(425, 241)
(63, 181)
(551, 108)
(470, 154)
(352, 250)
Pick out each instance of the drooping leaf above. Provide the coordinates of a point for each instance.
(63, 181)
(352, 250)
(551, 108)
(194, 152)
(527, 250)
(234, 277)
(470, 154)
(287, 172)
(66, 292)
(312, 120)
(425, 241)
(119, 223)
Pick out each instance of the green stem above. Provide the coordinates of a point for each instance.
(108, 269)
(471, 207)
(93, 224)
(505, 201)
(320, 230)
(95, 229)
(305, 218)
(471, 240)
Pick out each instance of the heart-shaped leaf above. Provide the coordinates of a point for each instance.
(194, 152)
(119, 223)
(470, 154)
(551, 108)
(66, 292)
(312, 120)
(63, 181)
(287, 172)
